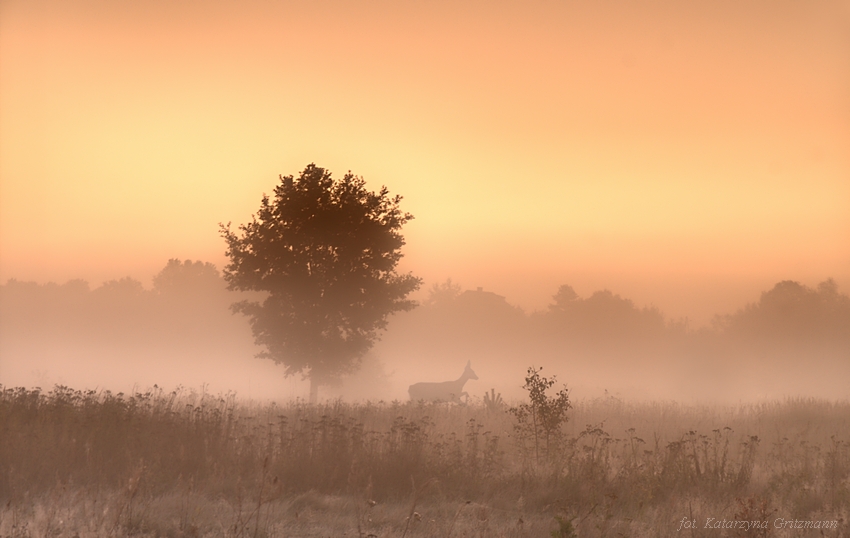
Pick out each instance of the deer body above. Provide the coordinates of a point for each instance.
(447, 391)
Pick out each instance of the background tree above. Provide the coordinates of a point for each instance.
(441, 294)
(188, 278)
(326, 252)
(794, 315)
(602, 317)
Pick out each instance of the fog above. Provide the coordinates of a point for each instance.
(651, 196)
(791, 340)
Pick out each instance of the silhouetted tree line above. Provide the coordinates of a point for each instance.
(789, 311)
(189, 303)
(601, 316)
(792, 313)
(790, 321)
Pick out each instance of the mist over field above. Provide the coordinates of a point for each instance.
(624, 226)
(678, 166)
(792, 340)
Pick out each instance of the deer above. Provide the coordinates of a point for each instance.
(447, 391)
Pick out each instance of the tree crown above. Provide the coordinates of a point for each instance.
(325, 251)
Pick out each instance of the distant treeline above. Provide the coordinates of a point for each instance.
(188, 307)
(790, 320)
(188, 301)
(789, 311)
(120, 333)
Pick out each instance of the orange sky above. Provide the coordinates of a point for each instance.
(684, 154)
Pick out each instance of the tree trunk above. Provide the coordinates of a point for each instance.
(314, 390)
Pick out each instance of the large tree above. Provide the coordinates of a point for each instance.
(325, 251)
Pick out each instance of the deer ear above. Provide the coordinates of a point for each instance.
(468, 363)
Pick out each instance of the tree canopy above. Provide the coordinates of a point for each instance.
(793, 313)
(187, 278)
(325, 251)
(602, 316)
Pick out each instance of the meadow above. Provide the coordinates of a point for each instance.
(187, 463)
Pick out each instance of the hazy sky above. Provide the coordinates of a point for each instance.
(684, 154)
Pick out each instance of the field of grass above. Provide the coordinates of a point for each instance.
(177, 464)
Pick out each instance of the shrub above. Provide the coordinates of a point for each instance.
(539, 421)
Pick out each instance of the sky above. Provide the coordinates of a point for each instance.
(686, 155)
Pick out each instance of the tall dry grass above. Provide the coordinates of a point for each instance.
(192, 464)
